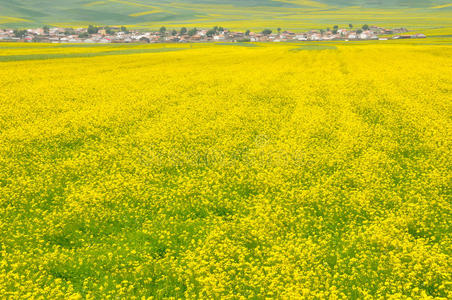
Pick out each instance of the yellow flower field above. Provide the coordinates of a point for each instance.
(290, 171)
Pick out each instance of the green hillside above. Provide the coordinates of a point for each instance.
(240, 14)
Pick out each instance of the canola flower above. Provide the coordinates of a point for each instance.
(218, 171)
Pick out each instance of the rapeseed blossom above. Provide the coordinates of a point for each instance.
(224, 171)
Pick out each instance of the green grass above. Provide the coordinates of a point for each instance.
(42, 56)
(315, 47)
(238, 44)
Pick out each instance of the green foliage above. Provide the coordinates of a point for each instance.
(20, 33)
(69, 31)
(93, 29)
(211, 33)
(192, 31)
(267, 31)
(108, 30)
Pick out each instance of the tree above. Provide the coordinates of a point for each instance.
(365, 27)
(124, 29)
(350, 26)
(211, 32)
(220, 29)
(108, 30)
(279, 29)
(267, 31)
(183, 30)
(162, 30)
(322, 31)
(215, 28)
(334, 31)
(92, 29)
(336, 27)
(46, 29)
(328, 29)
(19, 33)
(193, 31)
(247, 33)
(69, 31)
(359, 31)
(174, 32)
(144, 39)
(83, 35)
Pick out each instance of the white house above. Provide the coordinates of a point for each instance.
(363, 36)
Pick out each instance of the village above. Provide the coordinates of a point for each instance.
(93, 34)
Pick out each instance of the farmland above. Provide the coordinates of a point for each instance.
(293, 15)
(293, 170)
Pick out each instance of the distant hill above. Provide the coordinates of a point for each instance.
(292, 14)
